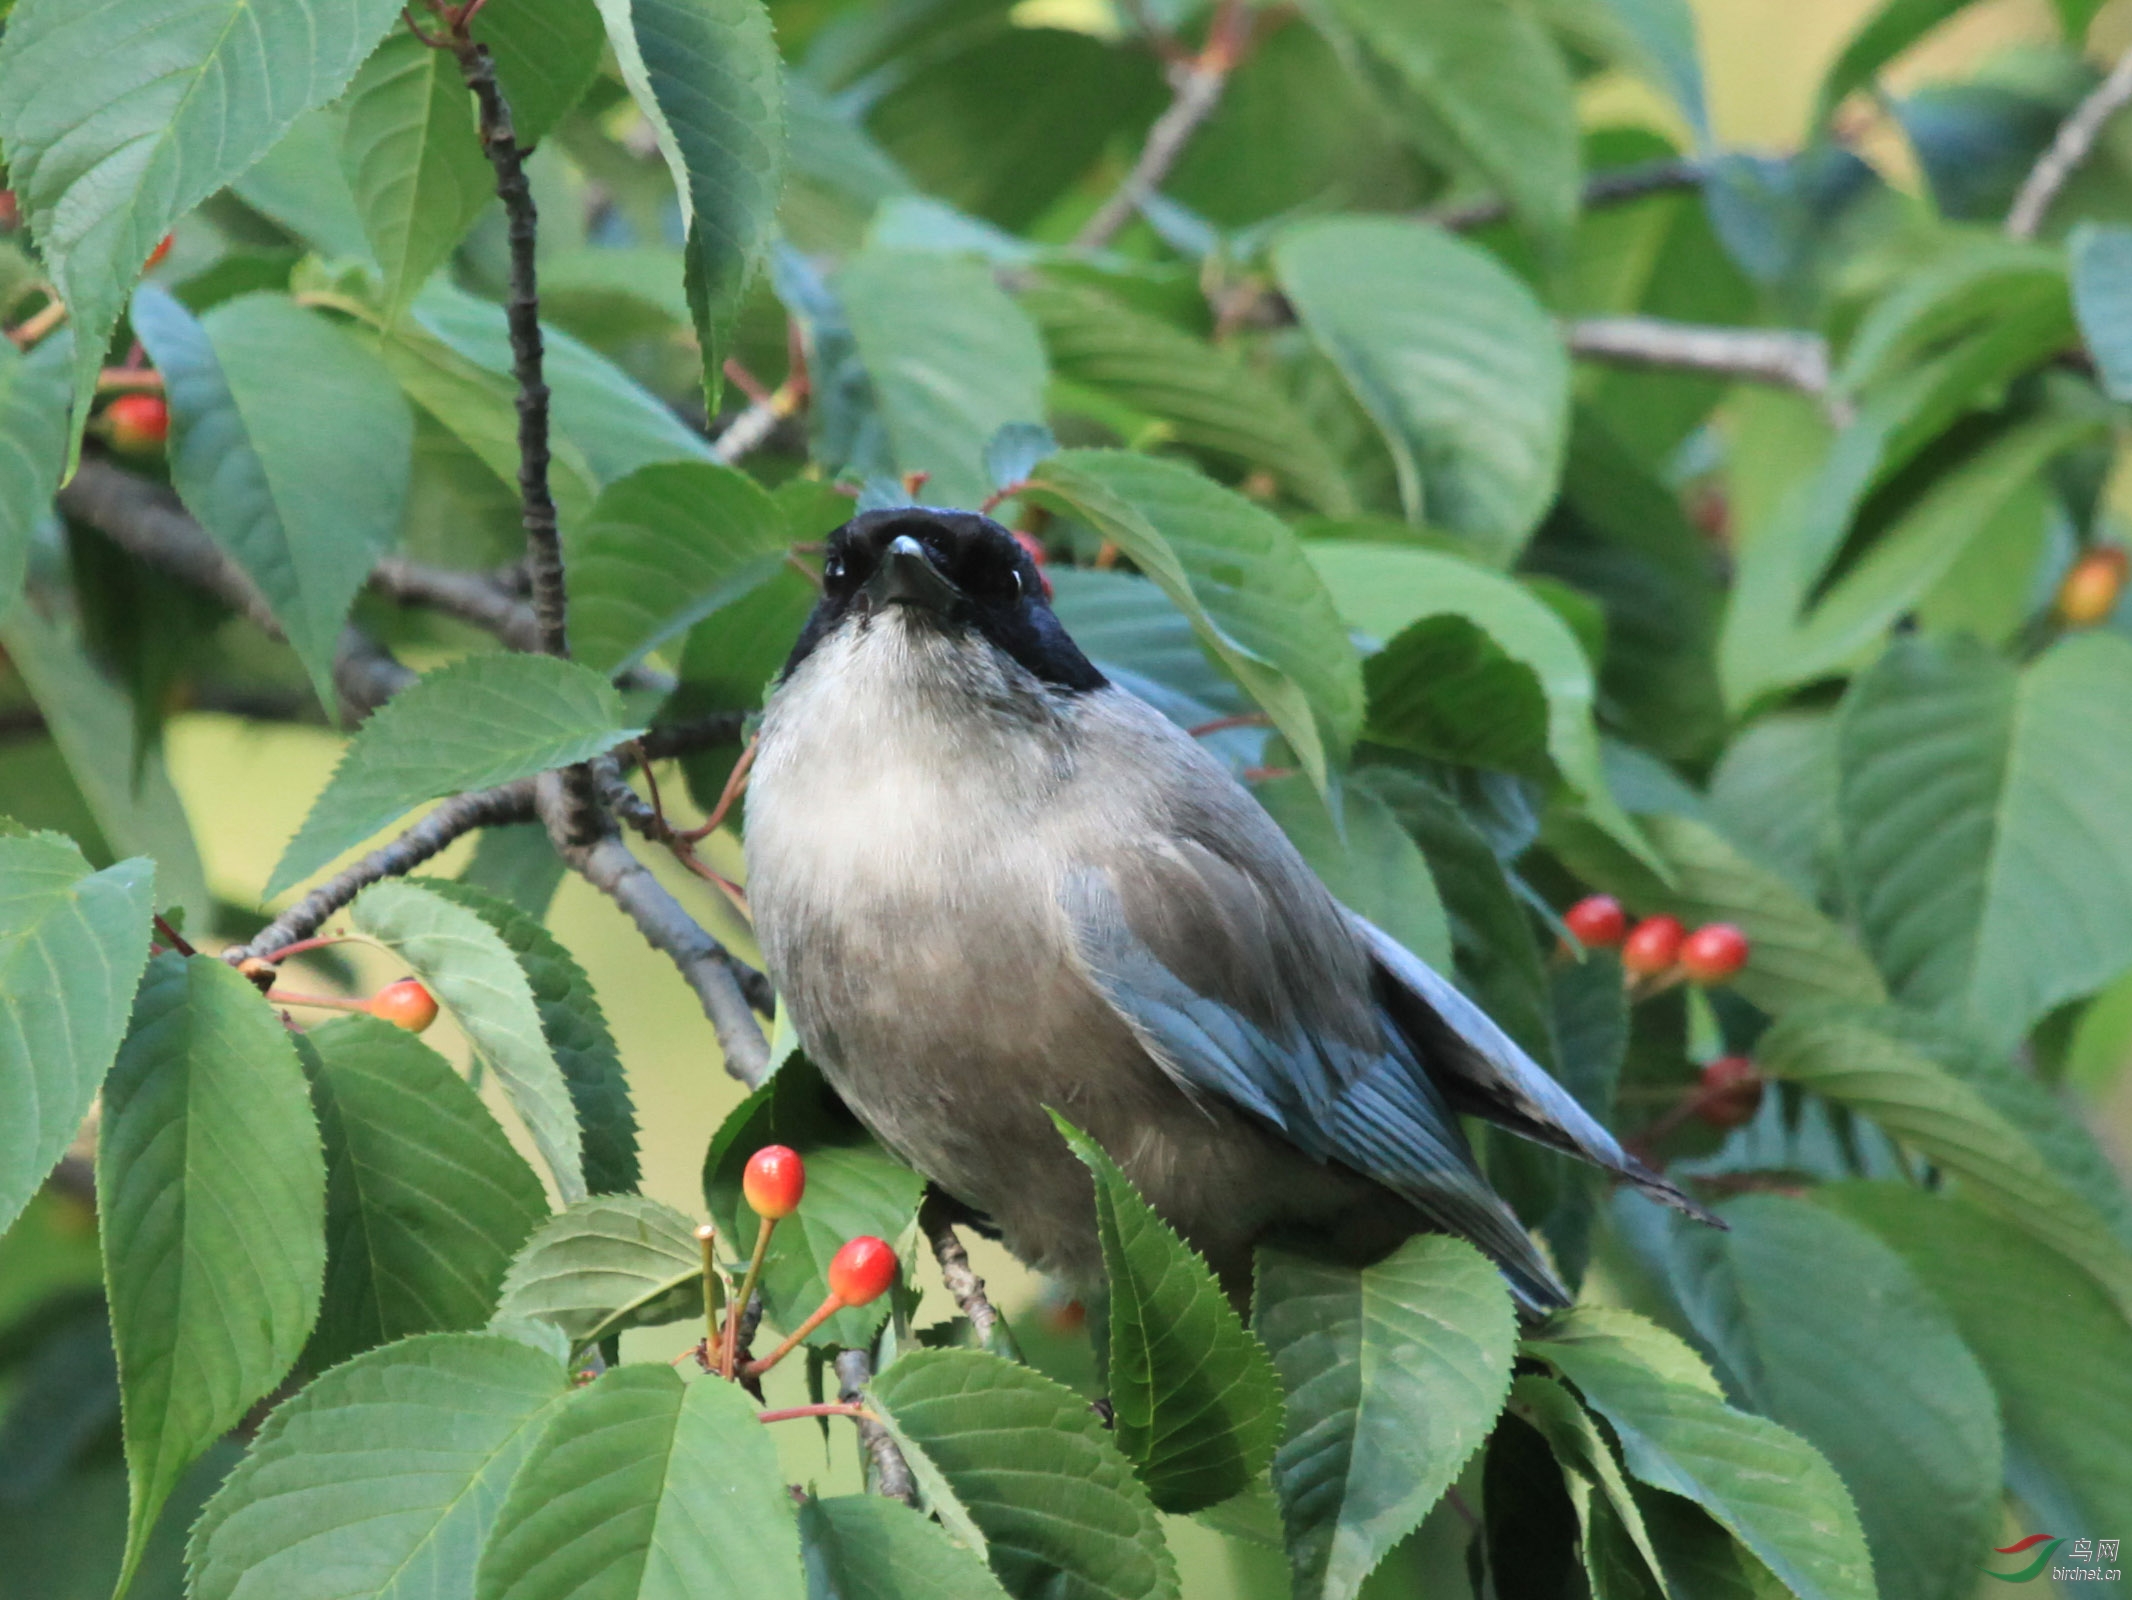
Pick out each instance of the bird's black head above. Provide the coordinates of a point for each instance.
(956, 569)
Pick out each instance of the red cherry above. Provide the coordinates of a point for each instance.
(773, 1181)
(2090, 590)
(1598, 921)
(862, 1271)
(1652, 946)
(405, 1004)
(156, 255)
(1028, 542)
(138, 423)
(1731, 1092)
(1713, 952)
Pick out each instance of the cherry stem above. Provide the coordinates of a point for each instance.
(830, 1306)
(736, 781)
(177, 939)
(730, 1352)
(324, 1002)
(1005, 492)
(829, 1408)
(707, 1238)
(1247, 719)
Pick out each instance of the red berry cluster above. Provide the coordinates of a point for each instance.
(773, 1183)
(1659, 950)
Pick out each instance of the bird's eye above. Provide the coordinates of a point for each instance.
(1015, 574)
(833, 569)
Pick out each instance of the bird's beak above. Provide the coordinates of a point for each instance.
(907, 576)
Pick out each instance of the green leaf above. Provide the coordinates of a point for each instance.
(951, 359)
(605, 1264)
(1208, 399)
(576, 1031)
(2066, 1455)
(1774, 794)
(1492, 86)
(1394, 1375)
(484, 720)
(547, 55)
(477, 405)
(382, 1478)
(1138, 638)
(1368, 861)
(426, 1201)
(663, 549)
(1197, 1403)
(609, 420)
(300, 185)
(1241, 576)
(118, 120)
(212, 1193)
(1799, 538)
(1771, 1489)
(34, 395)
(1990, 875)
(1584, 1455)
(475, 977)
(1453, 359)
(1059, 1508)
(1393, 593)
(1796, 956)
(128, 791)
(2102, 299)
(1891, 1067)
(414, 161)
(853, 1187)
(72, 945)
(863, 1547)
(1820, 1326)
(1893, 27)
(643, 1488)
(1921, 547)
(706, 75)
(291, 445)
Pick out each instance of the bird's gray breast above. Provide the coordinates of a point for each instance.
(903, 859)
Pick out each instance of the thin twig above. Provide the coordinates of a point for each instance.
(577, 820)
(710, 969)
(544, 546)
(955, 1269)
(2075, 139)
(460, 815)
(472, 597)
(1197, 85)
(1761, 355)
(1603, 189)
(891, 1474)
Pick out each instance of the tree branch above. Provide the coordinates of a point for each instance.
(147, 521)
(1760, 355)
(462, 814)
(1603, 189)
(955, 1269)
(472, 597)
(1197, 85)
(891, 1474)
(2075, 139)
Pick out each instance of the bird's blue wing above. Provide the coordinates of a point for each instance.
(1485, 1074)
(1365, 1104)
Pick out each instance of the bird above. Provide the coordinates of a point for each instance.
(990, 884)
